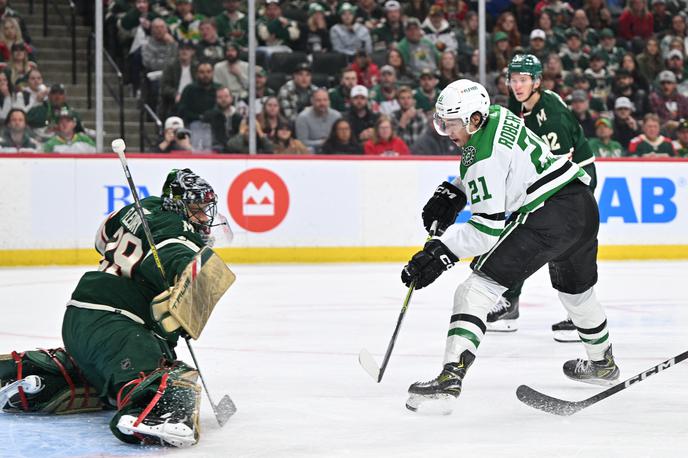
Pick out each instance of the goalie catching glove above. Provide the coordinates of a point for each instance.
(443, 207)
(428, 264)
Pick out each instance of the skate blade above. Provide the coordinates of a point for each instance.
(442, 404)
(503, 326)
(566, 336)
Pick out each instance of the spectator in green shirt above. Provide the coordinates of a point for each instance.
(651, 143)
(602, 144)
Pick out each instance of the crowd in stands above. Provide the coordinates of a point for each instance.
(362, 77)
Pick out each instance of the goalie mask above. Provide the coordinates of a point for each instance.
(190, 196)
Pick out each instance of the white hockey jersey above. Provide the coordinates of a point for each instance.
(505, 168)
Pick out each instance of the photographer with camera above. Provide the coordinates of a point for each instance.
(175, 136)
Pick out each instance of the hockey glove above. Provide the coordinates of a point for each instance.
(164, 324)
(443, 206)
(428, 264)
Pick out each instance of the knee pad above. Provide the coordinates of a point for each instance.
(63, 389)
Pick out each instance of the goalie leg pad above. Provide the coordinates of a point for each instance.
(60, 387)
(159, 408)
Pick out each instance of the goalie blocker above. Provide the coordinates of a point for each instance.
(189, 303)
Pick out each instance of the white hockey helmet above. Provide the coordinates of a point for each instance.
(459, 100)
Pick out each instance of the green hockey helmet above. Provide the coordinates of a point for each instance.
(527, 64)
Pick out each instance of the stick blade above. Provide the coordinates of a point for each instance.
(369, 364)
(224, 410)
(546, 403)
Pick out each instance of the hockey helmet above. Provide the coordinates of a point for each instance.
(187, 194)
(460, 100)
(527, 64)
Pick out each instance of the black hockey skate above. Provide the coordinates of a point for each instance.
(436, 396)
(503, 316)
(565, 331)
(604, 372)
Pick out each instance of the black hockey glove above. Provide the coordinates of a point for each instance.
(443, 206)
(428, 264)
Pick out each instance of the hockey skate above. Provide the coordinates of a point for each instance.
(165, 430)
(565, 331)
(604, 372)
(503, 316)
(437, 396)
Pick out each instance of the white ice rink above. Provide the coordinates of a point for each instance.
(284, 343)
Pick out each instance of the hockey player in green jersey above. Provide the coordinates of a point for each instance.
(117, 355)
(507, 169)
(546, 115)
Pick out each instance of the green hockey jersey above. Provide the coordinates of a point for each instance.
(505, 168)
(552, 120)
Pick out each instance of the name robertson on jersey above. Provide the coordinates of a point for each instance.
(510, 128)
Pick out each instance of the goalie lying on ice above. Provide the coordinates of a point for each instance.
(120, 330)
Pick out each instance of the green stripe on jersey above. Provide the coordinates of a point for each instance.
(485, 229)
(466, 334)
(535, 203)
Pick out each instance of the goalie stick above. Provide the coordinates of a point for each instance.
(226, 408)
(549, 404)
(365, 358)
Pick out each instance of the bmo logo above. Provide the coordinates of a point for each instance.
(258, 200)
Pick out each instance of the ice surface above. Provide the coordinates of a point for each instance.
(284, 343)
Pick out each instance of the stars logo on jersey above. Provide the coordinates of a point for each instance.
(468, 156)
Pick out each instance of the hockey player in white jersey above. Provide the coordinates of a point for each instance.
(507, 171)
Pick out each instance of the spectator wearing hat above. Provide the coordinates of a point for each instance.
(580, 106)
(313, 124)
(19, 65)
(384, 142)
(368, 13)
(667, 103)
(341, 140)
(232, 24)
(315, 33)
(239, 143)
(651, 143)
(674, 63)
(175, 77)
(223, 118)
(438, 30)
(66, 138)
(650, 61)
(43, 118)
(625, 125)
(366, 70)
(636, 22)
(408, 122)
(418, 52)
(384, 94)
(524, 15)
(390, 30)
(403, 75)
(661, 18)
(576, 80)
(608, 46)
(31, 94)
(211, 47)
(678, 31)
(175, 137)
(537, 44)
(501, 52)
(183, 23)
(285, 143)
(602, 144)
(599, 75)
(572, 54)
(340, 95)
(624, 85)
(262, 91)
(275, 32)
(295, 94)
(681, 142)
(426, 95)
(232, 72)
(16, 137)
(349, 36)
(199, 96)
(360, 117)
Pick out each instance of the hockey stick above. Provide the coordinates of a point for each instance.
(226, 408)
(557, 406)
(365, 358)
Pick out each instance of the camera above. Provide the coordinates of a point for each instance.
(182, 133)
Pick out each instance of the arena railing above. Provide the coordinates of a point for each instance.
(118, 96)
(146, 110)
(71, 26)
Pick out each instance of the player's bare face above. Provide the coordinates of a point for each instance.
(522, 86)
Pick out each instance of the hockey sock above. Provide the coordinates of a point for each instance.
(587, 314)
(473, 300)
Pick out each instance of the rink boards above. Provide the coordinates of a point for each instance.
(308, 209)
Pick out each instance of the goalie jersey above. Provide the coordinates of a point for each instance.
(127, 277)
(505, 169)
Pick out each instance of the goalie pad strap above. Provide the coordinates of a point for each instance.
(63, 371)
(161, 389)
(17, 357)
